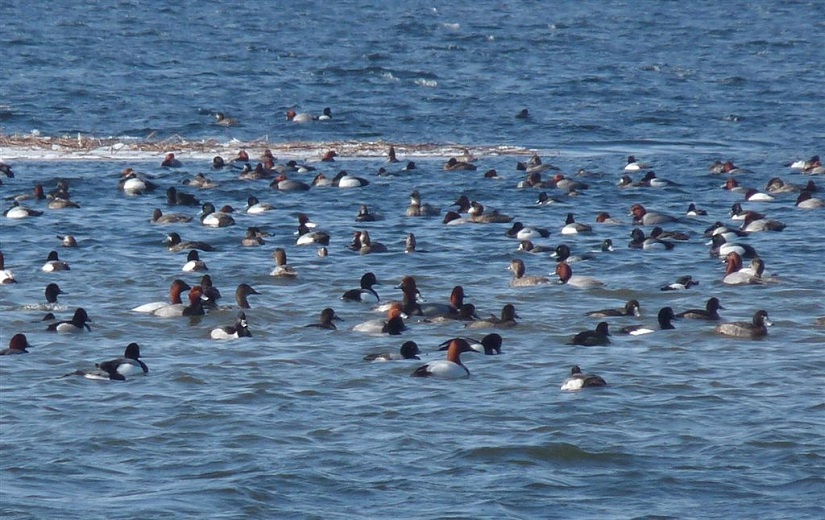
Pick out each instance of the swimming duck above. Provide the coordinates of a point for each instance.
(256, 207)
(393, 325)
(364, 215)
(565, 274)
(215, 219)
(120, 368)
(17, 345)
(409, 243)
(176, 245)
(738, 213)
(171, 218)
(282, 268)
(451, 368)
(633, 165)
(808, 201)
(736, 275)
(710, 312)
(645, 218)
(660, 234)
(753, 195)
(419, 209)
(211, 294)
(175, 290)
(450, 309)
(79, 320)
(306, 237)
(528, 247)
(534, 165)
(506, 321)
(568, 185)
(683, 282)
(522, 232)
(54, 264)
(365, 293)
(409, 350)
(571, 227)
(194, 263)
(693, 211)
(240, 329)
(169, 161)
(221, 119)
(721, 246)
(757, 328)
(16, 211)
(179, 198)
(454, 164)
(6, 275)
(519, 280)
(579, 380)
(639, 241)
(604, 217)
(241, 293)
(344, 180)
(752, 224)
(369, 246)
(254, 237)
(133, 184)
(592, 338)
(195, 307)
(490, 345)
(664, 319)
(631, 308)
(477, 215)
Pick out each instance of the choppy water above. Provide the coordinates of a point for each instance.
(292, 422)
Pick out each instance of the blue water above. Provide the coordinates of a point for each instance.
(292, 422)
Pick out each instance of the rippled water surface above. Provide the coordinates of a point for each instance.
(292, 422)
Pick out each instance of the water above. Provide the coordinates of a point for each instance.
(292, 422)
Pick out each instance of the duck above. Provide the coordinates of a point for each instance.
(211, 294)
(6, 275)
(176, 244)
(710, 312)
(562, 253)
(753, 195)
(565, 274)
(67, 240)
(757, 328)
(592, 338)
(369, 246)
(179, 198)
(169, 161)
(133, 184)
(808, 201)
(738, 213)
(222, 119)
(450, 368)
(37, 193)
(606, 246)
(519, 280)
(253, 237)
(242, 293)
(634, 165)
(466, 313)
(603, 217)
(645, 218)
(506, 321)
(651, 180)
(256, 207)
(17, 345)
(364, 215)
(452, 218)
(391, 158)
(523, 114)
(579, 380)
(726, 167)
(681, 283)
(626, 181)
(751, 224)
(215, 219)
(195, 307)
(218, 162)
(777, 185)
(454, 164)
(344, 180)
(464, 204)
(545, 200)
(409, 301)
(815, 168)
(693, 211)
(801, 164)
(365, 293)
(282, 183)
(450, 309)
(282, 268)
(490, 345)
(720, 246)
(54, 264)
(61, 203)
(51, 292)
(175, 290)
(527, 246)
(307, 237)
(729, 233)
(6, 170)
(631, 308)
(736, 275)
(419, 209)
(478, 216)
(521, 232)
(194, 263)
(410, 243)
(568, 185)
(118, 369)
(79, 320)
(171, 218)
(534, 165)
(660, 234)
(16, 211)
(408, 350)
(200, 181)
(291, 115)
(493, 175)
(571, 227)
(664, 319)
(393, 325)
(240, 329)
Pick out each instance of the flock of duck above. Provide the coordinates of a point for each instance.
(728, 242)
